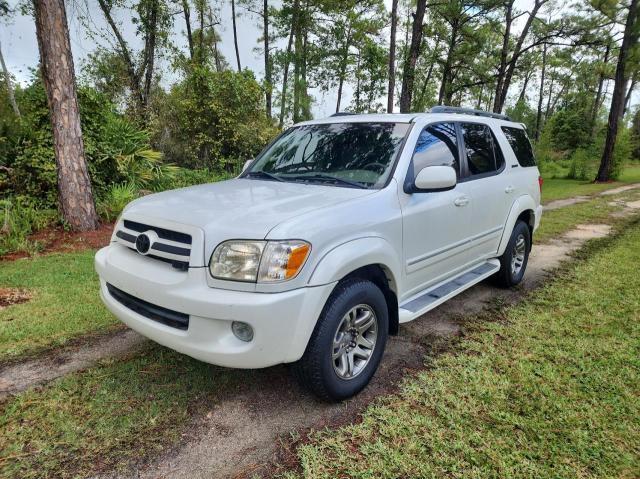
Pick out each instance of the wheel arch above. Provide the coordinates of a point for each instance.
(523, 209)
(370, 258)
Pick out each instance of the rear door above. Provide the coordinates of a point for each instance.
(487, 180)
(435, 224)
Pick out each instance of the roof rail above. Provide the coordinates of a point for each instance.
(467, 111)
(342, 113)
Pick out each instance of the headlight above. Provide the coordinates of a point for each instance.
(282, 260)
(237, 260)
(261, 261)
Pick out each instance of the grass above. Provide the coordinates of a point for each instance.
(550, 389)
(444, 423)
(556, 222)
(99, 419)
(560, 188)
(65, 303)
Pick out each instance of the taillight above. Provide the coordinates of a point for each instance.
(540, 181)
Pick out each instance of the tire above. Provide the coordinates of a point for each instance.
(513, 261)
(349, 304)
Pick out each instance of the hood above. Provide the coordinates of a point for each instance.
(239, 208)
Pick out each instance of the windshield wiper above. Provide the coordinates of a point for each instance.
(327, 179)
(262, 174)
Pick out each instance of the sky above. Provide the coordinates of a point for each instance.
(19, 45)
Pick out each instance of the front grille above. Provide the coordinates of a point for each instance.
(173, 247)
(157, 313)
(162, 232)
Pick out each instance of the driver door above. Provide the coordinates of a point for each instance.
(435, 225)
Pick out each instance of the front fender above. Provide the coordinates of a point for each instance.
(347, 257)
(522, 204)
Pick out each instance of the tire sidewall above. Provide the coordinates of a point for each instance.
(520, 228)
(362, 292)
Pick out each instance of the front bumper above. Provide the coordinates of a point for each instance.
(282, 322)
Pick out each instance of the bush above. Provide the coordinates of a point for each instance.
(113, 202)
(20, 217)
(117, 151)
(187, 177)
(584, 164)
(213, 120)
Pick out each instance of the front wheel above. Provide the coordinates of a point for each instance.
(513, 261)
(347, 343)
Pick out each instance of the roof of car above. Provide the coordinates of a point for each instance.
(438, 113)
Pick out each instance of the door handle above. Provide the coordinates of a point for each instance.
(509, 189)
(461, 201)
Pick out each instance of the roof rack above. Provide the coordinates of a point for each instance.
(342, 113)
(467, 111)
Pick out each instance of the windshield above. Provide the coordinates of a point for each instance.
(358, 155)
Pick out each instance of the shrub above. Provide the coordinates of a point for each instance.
(213, 120)
(117, 197)
(583, 164)
(117, 151)
(20, 217)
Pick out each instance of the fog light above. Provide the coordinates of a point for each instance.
(242, 331)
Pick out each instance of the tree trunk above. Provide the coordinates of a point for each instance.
(629, 41)
(187, 21)
(305, 106)
(425, 84)
(596, 103)
(442, 95)
(392, 56)
(297, 57)
(479, 102)
(150, 49)
(541, 92)
(134, 78)
(548, 108)
(501, 96)
(504, 52)
(201, 5)
(408, 76)
(7, 80)
(627, 98)
(358, 76)
(267, 60)
(523, 91)
(285, 74)
(235, 33)
(74, 186)
(343, 68)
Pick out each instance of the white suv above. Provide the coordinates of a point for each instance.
(339, 231)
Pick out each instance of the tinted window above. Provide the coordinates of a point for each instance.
(520, 144)
(359, 152)
(478, 142)
(436, 146)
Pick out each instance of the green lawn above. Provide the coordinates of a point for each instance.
(65, 303)
(100, 419)
(560, 188)
(556, 222)
(549, 388)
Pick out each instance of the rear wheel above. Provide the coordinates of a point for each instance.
(513, 261)
(347, 343)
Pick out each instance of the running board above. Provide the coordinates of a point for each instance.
(434, 297)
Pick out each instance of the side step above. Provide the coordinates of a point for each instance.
(428, 300)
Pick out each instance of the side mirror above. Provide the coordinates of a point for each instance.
(246, 165)
(435, 178)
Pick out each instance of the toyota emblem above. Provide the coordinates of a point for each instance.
(143, 243)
